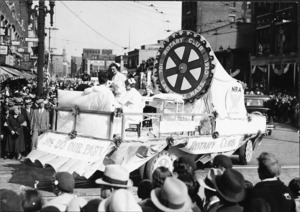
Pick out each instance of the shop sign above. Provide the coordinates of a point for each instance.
(3, 50)
(15, 43)
(32, 39)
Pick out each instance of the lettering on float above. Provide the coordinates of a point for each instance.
(236, 89)
(218, 144)
(73, 147)
(173, 43)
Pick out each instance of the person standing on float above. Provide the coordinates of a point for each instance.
(118, 81)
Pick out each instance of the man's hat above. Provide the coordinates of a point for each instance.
(10, 201)
(121, 200)
(223, 161)
(39, 101)
(64, 181)
(230, 185)
(18, 101)
(115, 175)
(172, 196)
(207, 182)
(28, 101)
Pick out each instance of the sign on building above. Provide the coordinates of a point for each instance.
(26, 57)
(3, 50)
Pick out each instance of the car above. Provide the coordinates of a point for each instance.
(259, 104)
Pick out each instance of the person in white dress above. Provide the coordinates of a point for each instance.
(118, 81)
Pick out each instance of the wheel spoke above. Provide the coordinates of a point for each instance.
(179, 81)
(194, 64)
(171, 71)
(190, 78)
(174, 57)
(186, 54)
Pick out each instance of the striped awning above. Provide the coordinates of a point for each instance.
(4, 75)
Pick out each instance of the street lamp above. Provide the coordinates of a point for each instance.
(41, 11)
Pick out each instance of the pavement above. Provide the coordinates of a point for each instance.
(14, 173)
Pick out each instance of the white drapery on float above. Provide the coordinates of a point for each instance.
(94, 146)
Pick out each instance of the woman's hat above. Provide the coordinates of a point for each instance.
(130, 81)
(115, 175)
(172, 196)
(230, 185)
(121, 200)
(207, 182)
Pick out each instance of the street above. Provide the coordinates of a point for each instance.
(284, 143)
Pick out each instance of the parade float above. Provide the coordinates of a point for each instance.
(200, 114)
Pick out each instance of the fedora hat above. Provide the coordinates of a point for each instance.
(28, 101)
(172, 196)
(115, 175)
(207, 183)
(230, 185)
(64, 181)
(121, 200)
(223, 161)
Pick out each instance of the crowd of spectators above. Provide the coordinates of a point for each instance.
(222, 189)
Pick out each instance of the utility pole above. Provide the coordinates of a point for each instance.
(41, 11)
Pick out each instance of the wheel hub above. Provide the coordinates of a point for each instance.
(182, 68)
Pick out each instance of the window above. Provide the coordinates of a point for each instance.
(232, 18)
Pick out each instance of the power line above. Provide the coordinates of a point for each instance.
(91, 26)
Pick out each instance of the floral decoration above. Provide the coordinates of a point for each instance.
(72, 134)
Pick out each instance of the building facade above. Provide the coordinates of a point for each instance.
(75, 66)
(275, 61)
(95, 60)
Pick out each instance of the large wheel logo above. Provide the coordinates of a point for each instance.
(184, 65)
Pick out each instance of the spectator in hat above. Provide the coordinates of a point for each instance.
(114, 177)
(101, 97)
(207, 191)
(39, 122)
(270, 188)
(172, 196)
(63, 186)
(118, 81)
(10, 201)
(27, 112)
(230, 187)
(16, 143)
(32, 200)
(121, 200)
(222, 162)
(193, 187)
(159, 175)
(5, 132)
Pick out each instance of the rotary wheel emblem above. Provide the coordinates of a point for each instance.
(184, 65)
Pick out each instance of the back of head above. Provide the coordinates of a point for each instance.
(144, 189)
(268, 166)
(102, 77)
(9, 201)
(184, 165)
(91, 206)
(64, 181)
(294, 186)
(222, 161)
(31, 200)
(159, 175)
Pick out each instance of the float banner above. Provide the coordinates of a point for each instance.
(206, 144)
(81, 155)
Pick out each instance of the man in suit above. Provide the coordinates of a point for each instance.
(39, 122)
(27, 112)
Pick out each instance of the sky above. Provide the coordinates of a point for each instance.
(117, 25)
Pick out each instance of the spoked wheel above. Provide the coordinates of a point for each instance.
(246, 153)
(184, 65)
